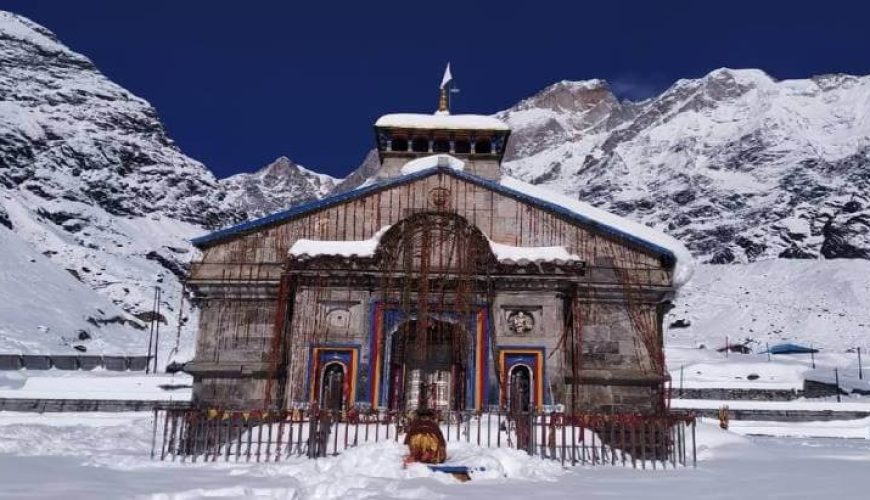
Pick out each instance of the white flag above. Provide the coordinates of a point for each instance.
(447, 76)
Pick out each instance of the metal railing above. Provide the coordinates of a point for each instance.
(627, 440)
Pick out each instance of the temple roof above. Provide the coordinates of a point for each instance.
(441, 122)
(574, 210)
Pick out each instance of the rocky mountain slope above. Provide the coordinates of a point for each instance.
(275, 187)
(90, 180)
(739, 166)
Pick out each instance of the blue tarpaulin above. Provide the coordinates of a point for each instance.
(789, 348)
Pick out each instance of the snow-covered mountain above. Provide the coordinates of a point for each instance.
(743, 169)
(276, 186)
(737, 165)
(90, 180)
(68, 133)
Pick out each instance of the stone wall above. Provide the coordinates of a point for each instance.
(83, 405)
(242, 390)
(71, 362)
(740, 394)
(322, 317)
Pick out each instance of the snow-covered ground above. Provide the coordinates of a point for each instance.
(693, 368)
(44, 307)
(106, 456)
(99, 384)
(860, 404)
(819, 302)
(854, 429)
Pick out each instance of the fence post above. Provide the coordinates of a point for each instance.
(250, 431)
(154, 433)
(238, 431)
(643, 444)
(622, 441)
(593, 429)
(681, 380)
(573, 441)
(259, 435)
(479, 425)
(837, 382)
(682, 429)
(694, 446)
(356, 420)
(193, 438)
(299, 429)
(279, 441)
(335, 422)
(345, 415)
(227, 422)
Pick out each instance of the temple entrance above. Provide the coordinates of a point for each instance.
(332, 387)
(428, 366)
(520, 389)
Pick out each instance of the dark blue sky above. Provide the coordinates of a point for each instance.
(240, 83)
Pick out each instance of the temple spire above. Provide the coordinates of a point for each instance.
(444, 92)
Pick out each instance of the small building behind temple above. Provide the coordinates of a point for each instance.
(439, 283)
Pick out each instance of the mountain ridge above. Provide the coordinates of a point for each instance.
(738, 165)
(90, 179)
(730, 145)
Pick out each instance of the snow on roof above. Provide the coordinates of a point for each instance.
(684, 265)
(508, 253)
(342, 248)
(431, 161)
(367, 248)
(441, 122)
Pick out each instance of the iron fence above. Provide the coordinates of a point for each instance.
(627, 440)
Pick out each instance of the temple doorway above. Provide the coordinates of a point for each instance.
(332, 393)
(428, 366)
(520, 389)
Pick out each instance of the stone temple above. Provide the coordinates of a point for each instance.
(439, 283)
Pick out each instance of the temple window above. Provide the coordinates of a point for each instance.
(420, 145)
(462, 146)
(441, 146)
(399, 144)
(483, 147)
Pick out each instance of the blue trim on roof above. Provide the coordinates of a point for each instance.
(305, 208)
(331, 201)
